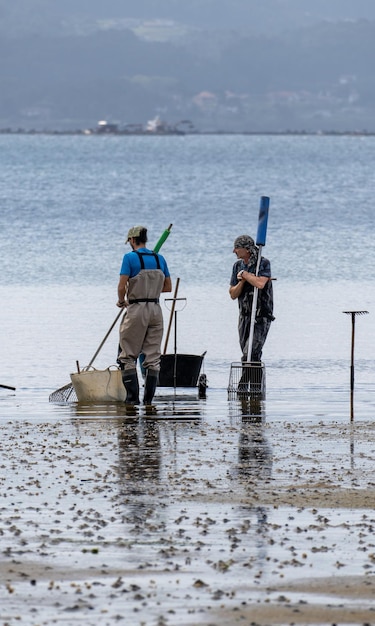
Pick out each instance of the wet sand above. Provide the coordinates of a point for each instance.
(207, 513)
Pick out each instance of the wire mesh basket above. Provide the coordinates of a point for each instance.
(64, 394)
(247, 380)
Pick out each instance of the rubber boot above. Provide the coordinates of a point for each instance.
(243, 385)
(251, 374)
(150, 386)
(130, 380)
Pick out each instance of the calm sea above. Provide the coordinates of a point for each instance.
(67, 203)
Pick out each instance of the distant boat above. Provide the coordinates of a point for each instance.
(157, 127)
(106, 127)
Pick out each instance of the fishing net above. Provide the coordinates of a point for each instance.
(64, 394)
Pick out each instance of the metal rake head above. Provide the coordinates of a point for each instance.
(355, 312)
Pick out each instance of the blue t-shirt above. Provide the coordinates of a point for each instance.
(131, 265)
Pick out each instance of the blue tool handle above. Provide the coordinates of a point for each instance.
(262, 222)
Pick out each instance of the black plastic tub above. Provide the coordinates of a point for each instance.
(180, 370)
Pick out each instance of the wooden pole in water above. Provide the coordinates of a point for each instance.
(171, 316)
(353, 314)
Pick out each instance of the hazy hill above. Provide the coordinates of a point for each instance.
(252, 15)
(224, 64)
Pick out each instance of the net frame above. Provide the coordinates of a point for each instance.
(64, 394)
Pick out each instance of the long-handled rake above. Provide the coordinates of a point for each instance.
(249, 378)
(353, 314)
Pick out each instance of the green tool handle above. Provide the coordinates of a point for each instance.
(162, 239)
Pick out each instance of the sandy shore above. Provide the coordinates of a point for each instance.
(198, 521)
(345, 600)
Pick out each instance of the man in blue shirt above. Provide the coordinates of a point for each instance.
(144, 275)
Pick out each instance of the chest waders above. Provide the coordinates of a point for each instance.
(145, 287)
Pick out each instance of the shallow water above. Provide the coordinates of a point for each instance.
(210, 511)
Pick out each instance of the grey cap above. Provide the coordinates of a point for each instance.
(244, 241)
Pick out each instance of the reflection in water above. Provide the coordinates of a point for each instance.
(254, 453)
(139, 463)
(147, 446)
(254, 467)
(167, 407)
(351, 447)
(179, 406)
(90, 410)
(253, 409)
(139, 455)
(247, 409)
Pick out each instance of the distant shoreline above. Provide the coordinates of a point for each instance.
(119, 133)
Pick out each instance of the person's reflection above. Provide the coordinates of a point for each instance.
(254, 453)
(139, 463)
(254, 469)
(139, 454)
(252, 409)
